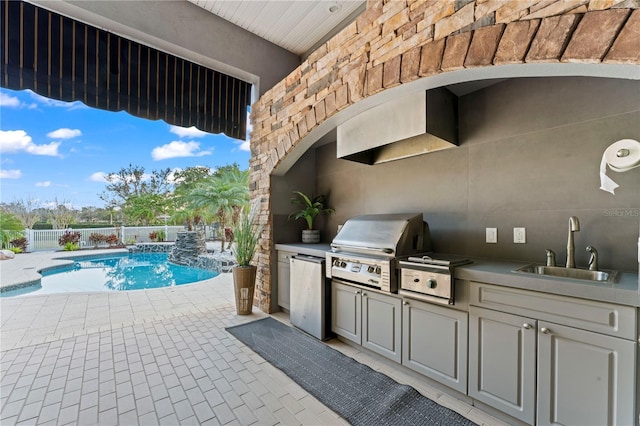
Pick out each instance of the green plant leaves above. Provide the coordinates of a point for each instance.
(311, 208)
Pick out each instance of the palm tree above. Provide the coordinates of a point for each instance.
(224, 194)
(10, 227)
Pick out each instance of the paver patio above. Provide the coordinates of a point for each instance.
(153, 357)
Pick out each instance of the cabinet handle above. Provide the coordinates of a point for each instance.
(364, 294)
(527, 326)
(545, 330)
(357, 291)
(405, 303)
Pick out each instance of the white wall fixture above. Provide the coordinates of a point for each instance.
(620, 156)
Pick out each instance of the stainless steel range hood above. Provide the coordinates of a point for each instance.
(417, 124)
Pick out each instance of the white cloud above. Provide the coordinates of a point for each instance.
(171, 177)
(44, 184)
(178, 149)
(98, 177)
(13, 141)
(249, 129)
(10, 174)
(9, 101)
(187, 132)
(55, 103)
(64, 133)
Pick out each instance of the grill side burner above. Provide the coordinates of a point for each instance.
(430, 277)
(365, 250)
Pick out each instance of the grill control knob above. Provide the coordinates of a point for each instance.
(343, 264)
(378, 270)
(370, 269)
(431, 283)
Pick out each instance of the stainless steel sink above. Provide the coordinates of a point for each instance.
(573, 273)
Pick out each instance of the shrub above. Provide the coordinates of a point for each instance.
(113, 240)
(20, 243)
(96, 239)
(161, 236)
(69, 237)
(16, 250)
(71, 246)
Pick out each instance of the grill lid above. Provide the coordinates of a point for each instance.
(387, 235)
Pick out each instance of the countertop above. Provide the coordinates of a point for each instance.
(318, 250)
(624, 291)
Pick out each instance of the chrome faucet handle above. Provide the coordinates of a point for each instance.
(551, 258)
(593, 259)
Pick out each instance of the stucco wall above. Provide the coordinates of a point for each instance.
(395, 43)
(529, 155)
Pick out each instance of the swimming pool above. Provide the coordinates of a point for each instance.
(119, 272)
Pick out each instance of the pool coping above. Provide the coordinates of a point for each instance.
(10, 282)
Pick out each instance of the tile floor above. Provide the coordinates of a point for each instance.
(155, 357)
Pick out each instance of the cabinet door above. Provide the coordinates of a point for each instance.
(584, 378)
(435, 342)
(346, 311)
(502, 362)
(382, 324)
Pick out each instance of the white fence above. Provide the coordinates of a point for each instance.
(47, 239)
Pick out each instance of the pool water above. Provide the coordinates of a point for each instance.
(134, 271)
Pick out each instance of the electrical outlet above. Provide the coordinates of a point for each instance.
(492, 235)
(519, 235)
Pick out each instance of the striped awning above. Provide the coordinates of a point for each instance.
(64, 59)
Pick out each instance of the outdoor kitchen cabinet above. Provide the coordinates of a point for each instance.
(548, 359)
(284, 271)
(368, 318)
(584, 377)
(502, 362)
(434, 342)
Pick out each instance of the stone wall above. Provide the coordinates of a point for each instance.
(189, 245)
(396, 42)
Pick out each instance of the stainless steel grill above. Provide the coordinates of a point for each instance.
(365, 250)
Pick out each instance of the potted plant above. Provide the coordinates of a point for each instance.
(310, 208)
(246, 233)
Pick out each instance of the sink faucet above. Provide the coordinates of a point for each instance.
(593, 259)
(574, 225)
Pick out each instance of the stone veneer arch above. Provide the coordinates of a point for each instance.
(402, 46)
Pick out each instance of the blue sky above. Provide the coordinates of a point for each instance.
(58, 150)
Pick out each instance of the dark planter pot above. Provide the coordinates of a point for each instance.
(244, 282)
(310, 236)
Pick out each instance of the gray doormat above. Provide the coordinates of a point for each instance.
(357, 393)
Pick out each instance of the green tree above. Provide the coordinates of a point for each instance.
(224, 194)
(10, 228)
(185, 182)
(26, 209)
(144, 209)
(133, 181)
(139, 195)
(61, 214)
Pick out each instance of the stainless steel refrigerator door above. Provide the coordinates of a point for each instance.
(307, 295)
